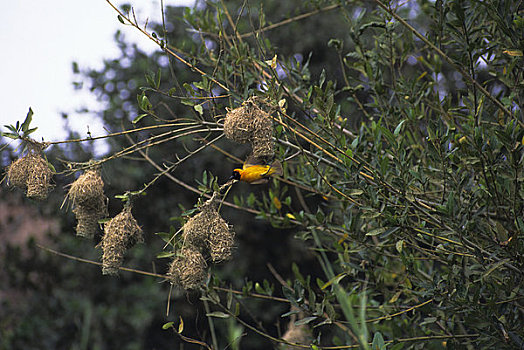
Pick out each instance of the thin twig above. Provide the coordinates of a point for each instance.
(72, 257)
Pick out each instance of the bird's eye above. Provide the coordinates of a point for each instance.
(235, 175)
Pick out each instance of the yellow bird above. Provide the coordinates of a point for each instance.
(257, 173)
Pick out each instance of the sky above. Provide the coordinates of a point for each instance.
(41, 39)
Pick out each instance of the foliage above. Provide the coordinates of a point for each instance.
(401, 137)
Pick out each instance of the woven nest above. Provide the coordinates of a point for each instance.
(297, 335)
(87, 189)
(88, 216)
(89, 202)
(220, 241)
(261, 141)
(238, 125)
(120, 234)
(209, 231)
(188, 270)
(18, 173)
(249, 123)
(32, 174)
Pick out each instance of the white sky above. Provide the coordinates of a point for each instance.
(40, 40)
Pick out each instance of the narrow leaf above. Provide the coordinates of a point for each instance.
(376, 231)
(305, 320)
(27, 121)
(168, 325)
(120, 19)
(180, 325)
(217, 314)
(399, 126)
(138, 118)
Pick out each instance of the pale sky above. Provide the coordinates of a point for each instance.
(40, 40)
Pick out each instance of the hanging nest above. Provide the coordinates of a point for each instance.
(250, 123)
(205, 234)
(31, 173)
(88, 216)
(261, 140)
(120, 233)
(238, 125)
(300, 334)
(18, 173)
(220, 241)
(209, 231)
(87, 189)
(188, 270)
(196, 230)
(89, 202)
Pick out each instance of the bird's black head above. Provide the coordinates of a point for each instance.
(235, 175)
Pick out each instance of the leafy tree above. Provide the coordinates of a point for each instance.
(398, 219)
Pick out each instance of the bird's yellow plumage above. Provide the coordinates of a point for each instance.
(256, 174)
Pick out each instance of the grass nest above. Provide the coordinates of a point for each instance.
(209, 233)
(120, 233)
(89, 202)
(87, 189)
(250, 123)
(32, 174)
(206, 234)
(188, 269)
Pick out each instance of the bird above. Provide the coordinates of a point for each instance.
(254, 173)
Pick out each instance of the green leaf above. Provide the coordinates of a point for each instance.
(305, 320)
(217, 314)
(165, 236)
(428, 320)
(297, 273)
(229, 299)
(51, 166)
(180, 325)
(334, 280)
(11, 127)
(165, 255)
(370, 214)
(204, 177)
(388, 135)
(376, 231)
(355, 192)
(494, 267)
(259, 288)
(120, 19)
(399, 245)
(11, 135)
(322, 78)
(378, 342)
(143, 102)
(27, 121)
(150, 80)
(168, 325)
(399, 126)
(199, 109)
(30, 131)
(158, 78)
(138, 118)
(187, 102)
